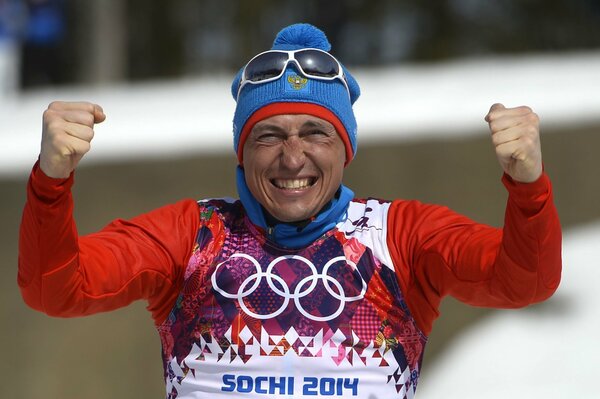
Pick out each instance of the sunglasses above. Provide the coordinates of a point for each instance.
(270, 65)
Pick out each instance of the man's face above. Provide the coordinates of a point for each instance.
(293, 165)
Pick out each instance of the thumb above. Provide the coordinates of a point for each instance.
(495, 107)
(99, 115)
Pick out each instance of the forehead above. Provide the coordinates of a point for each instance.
(291, 122)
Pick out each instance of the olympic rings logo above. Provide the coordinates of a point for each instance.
(302, 289)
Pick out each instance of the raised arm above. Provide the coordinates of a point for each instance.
(438, 252)
(65, 275)
(67, 132)
(516, 139)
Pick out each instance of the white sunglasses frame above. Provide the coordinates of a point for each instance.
(291, 58)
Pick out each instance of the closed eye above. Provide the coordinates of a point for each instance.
(268, 137)
(317, 135)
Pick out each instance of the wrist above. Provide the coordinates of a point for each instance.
(52, 172)
(529, 196)
(48, 188)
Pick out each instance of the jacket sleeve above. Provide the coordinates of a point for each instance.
(62, 274)
(438, 252)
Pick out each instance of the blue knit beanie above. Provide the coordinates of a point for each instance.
(326, 99)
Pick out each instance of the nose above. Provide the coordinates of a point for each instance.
(293, 154)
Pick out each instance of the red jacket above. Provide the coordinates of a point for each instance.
(435, 252)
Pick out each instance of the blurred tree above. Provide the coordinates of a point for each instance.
(41, 50)
(139, 39)
(107, 33)
(155, 39)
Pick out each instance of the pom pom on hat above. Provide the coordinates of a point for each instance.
(299, 36)
(326, 99)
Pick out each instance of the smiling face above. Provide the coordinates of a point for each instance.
(293, 165)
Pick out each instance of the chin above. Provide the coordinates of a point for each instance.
(291, 217)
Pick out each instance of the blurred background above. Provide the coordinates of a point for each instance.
(428, 72)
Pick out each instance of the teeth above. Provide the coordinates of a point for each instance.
(292, 183)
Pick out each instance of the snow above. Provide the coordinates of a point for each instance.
(398, 103)
(551, 351)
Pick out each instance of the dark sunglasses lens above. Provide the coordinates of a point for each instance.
(265, 66)
(316, 63)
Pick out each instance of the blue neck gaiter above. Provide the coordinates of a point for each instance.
(292, 235)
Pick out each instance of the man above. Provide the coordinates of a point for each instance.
(297, 289)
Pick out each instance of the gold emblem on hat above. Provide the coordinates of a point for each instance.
(297, 82)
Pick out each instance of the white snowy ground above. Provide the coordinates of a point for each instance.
(398, 103)
(549, 352)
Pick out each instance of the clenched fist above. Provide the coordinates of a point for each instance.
(68, 129)
(516, 138)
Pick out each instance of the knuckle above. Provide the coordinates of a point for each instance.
(531, 130)
(525, 109)
(496, 107)
(529, 143)
(496, 140)
(88, 107)
(89, 134)
(533, 118)
(82, 149)
(495, 127)
(88, 119)
(49, 114)
(502, 153)
(51, 128)
(55, 105)
(54, 126)
(57, 139)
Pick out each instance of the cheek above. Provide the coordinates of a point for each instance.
(255, 186)
(254, 173)
(337, 177)
(334, 161)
